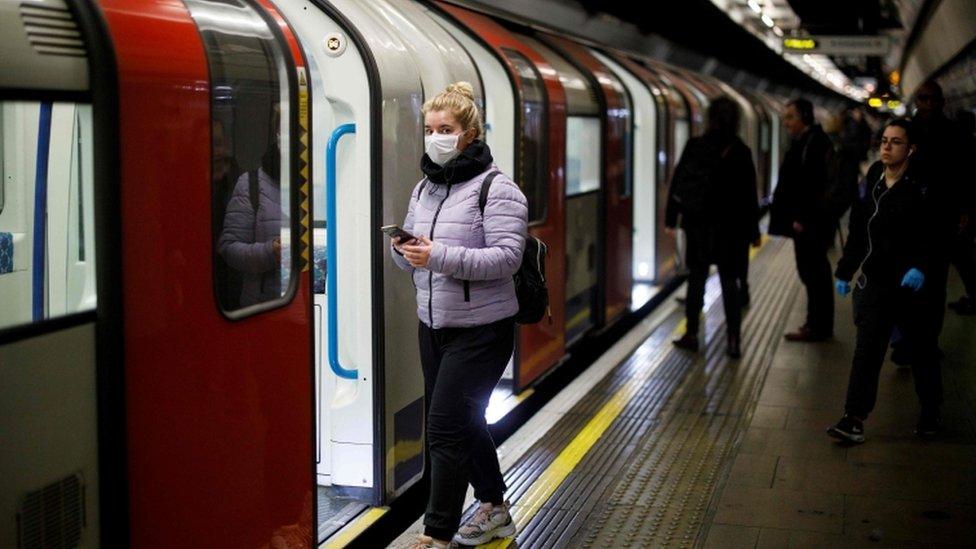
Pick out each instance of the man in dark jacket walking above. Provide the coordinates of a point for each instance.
(800, 211)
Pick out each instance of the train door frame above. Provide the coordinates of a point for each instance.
(680, 112)
(664, 244)
(384, 485)
(326, 377)
(647, 160)
(547, 340)
(107, 318)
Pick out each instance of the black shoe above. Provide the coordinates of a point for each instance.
(849, 428)
(928, 426)
(804, 334)
(689, 342)
(733, 348)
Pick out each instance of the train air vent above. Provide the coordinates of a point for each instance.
(51, 28)
(53, 516)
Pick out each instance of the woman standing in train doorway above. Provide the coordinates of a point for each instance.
(462, 263)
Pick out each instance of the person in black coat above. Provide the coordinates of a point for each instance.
(800, 211)
(714, 194)
(890, 246)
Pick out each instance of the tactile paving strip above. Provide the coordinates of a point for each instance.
(661, 496)
(675, 386)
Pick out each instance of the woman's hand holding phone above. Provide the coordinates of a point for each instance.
(417, 252)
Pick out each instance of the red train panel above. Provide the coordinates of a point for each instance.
(219, 412)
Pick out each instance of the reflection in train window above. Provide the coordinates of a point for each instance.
(47, 249)
(532, 156)
(251, 190)
(582, 158)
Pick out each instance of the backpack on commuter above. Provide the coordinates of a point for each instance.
(695, 175)
(530, 279)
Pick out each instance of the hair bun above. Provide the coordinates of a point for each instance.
(463, 88)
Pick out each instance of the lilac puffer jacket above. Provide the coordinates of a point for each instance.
(468, 279)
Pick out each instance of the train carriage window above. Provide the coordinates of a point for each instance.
(532, 157)
(253, 218)
(582, 158)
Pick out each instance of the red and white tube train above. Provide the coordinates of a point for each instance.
(202, 336)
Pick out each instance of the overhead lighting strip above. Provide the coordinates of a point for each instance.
(818, 67)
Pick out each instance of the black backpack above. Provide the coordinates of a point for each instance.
(693, 178)
(530, 279)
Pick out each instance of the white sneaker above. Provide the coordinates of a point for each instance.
(488, 523)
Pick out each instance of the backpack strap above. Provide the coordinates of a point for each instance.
(420, 191)
(485, 184)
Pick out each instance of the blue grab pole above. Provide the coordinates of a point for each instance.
(38, 266)
(331, 240)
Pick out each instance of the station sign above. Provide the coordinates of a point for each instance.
(853, 46)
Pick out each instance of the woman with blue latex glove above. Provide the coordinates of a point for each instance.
(886, 247)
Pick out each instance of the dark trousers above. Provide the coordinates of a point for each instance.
(876, 311)
(742, 267)
(964, 259)
(461, 368)
(701, 253)
(814, 270)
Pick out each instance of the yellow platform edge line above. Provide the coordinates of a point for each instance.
(546, 484)
(352, 530)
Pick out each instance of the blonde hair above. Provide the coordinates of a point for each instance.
(457, 99)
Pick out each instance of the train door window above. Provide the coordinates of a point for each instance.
(47, 253)
(252, 195)
(582, 158)
(532, 156)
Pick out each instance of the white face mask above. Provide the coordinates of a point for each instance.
(442, 148)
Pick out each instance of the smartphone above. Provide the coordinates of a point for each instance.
(394, 231)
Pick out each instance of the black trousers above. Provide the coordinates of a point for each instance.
(876, 311)
(461, 368)
(814, 269)
(742, 267)
(703, 249)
